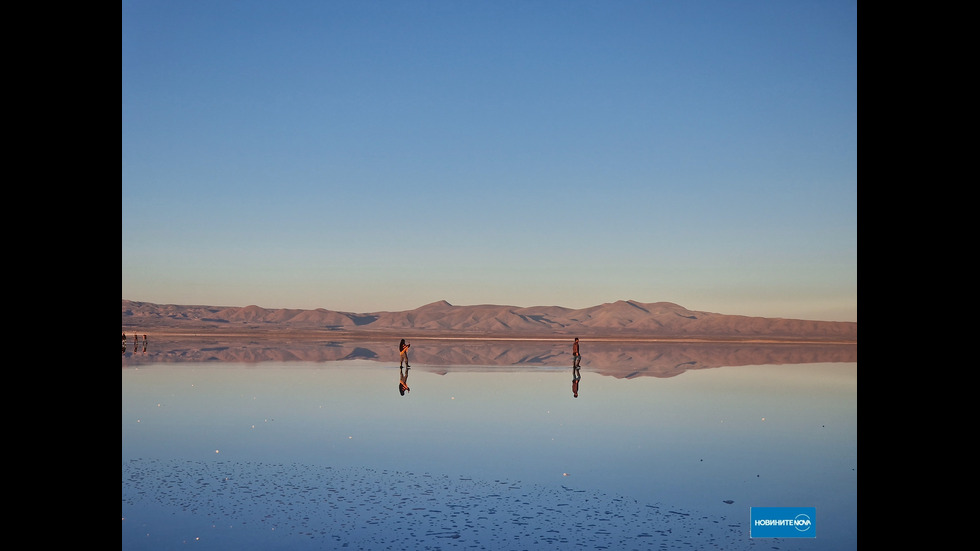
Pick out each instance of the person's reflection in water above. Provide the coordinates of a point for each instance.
(576, 377)
(403, 383)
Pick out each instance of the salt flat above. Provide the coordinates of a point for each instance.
(251, 505)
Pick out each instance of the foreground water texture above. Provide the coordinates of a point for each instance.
(503, 446)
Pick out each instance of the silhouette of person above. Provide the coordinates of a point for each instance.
(124, 343)
(403, 382)
(576, 377)
(576, 356)
(403, 353)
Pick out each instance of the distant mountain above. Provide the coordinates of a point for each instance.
(624, 318)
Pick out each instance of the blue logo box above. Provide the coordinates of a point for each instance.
(783, 522)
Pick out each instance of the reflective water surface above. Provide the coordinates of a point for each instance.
(301, 454)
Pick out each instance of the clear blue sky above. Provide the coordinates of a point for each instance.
(382, 155)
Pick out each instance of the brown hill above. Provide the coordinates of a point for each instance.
(622, 319)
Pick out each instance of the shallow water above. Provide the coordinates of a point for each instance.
(329, 454)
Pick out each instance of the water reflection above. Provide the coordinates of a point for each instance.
(620, 359)
(304, 455)
(136, 344)
(403, 381)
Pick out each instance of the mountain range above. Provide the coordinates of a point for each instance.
(620, 319)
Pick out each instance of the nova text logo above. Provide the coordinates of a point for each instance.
(783, 522)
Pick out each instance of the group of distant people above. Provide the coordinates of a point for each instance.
(403, 366)
(136, 342)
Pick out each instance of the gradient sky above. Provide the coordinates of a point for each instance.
(381, 155)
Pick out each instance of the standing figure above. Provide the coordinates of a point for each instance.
(576, 356)
(403, 353)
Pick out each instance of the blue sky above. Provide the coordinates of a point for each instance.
(382, 155)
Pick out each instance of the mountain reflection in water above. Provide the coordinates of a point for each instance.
(620, 359)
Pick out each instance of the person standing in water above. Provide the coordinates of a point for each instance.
(576, 356)
(403, 353)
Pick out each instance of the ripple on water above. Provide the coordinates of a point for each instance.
(226, 504)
